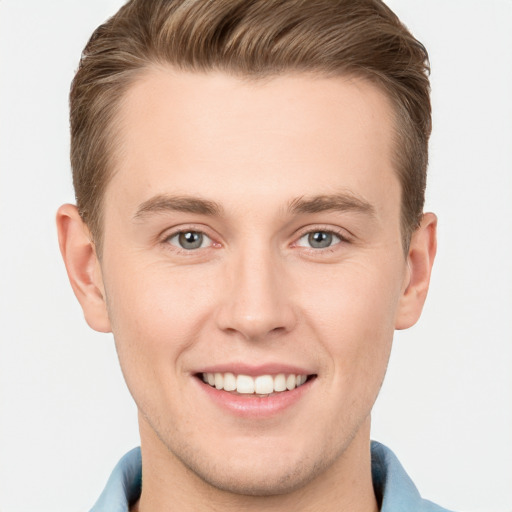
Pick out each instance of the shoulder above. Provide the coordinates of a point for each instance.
(394, 488)
(123, 486)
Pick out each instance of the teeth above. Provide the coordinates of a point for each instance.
(244, 384)
(260, 385)
(229, 382)
(264, 384)
(280, 382)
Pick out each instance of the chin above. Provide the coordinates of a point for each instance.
(263, 467)
(252, 479)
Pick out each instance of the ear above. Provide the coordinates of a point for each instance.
(420, 258)
(83, 267)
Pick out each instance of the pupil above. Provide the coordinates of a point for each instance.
(320, 239)
(191, 240)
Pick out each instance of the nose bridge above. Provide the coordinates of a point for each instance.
(256, 302)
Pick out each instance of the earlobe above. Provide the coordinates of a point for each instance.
(83, 268)
(420, 258)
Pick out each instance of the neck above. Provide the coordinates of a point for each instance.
(168, 484)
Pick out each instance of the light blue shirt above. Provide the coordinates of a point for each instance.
(393, 487)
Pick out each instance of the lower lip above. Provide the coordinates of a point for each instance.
(254, 406)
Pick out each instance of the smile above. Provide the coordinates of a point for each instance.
(258, 385)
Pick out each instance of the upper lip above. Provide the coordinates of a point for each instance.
(255, 370)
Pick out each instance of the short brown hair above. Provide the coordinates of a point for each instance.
(252, 38)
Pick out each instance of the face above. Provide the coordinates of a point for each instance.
(252, 240)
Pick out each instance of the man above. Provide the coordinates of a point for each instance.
(250, 179)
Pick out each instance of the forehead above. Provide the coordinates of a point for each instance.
(222, 137)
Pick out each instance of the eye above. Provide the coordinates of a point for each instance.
(319, 239)
(189, 240)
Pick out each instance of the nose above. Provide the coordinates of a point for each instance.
(258, 297)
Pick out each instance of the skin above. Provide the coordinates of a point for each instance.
(256, 292)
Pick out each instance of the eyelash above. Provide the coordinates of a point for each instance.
(342, 239)
(339, 234)
(187, 252)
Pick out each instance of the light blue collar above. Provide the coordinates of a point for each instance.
(394, 489)
(123, 486)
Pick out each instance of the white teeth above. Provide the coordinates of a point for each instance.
(264, 384)
(280, 382)
(229, 382)
(291, 382)
(260, 385)
(219, 381)
(244, 384)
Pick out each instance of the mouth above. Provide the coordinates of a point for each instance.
(260, 385)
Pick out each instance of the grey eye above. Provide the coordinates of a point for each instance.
(319, 239)
(189, 240)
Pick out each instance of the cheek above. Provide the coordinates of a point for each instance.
(155, 317)
(157, 299)
(352, 311)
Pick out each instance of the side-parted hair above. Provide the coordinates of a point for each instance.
(252, 39)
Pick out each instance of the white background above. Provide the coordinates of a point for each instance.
(446, 408)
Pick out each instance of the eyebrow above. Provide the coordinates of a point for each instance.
(186, 204)
(341, 202)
